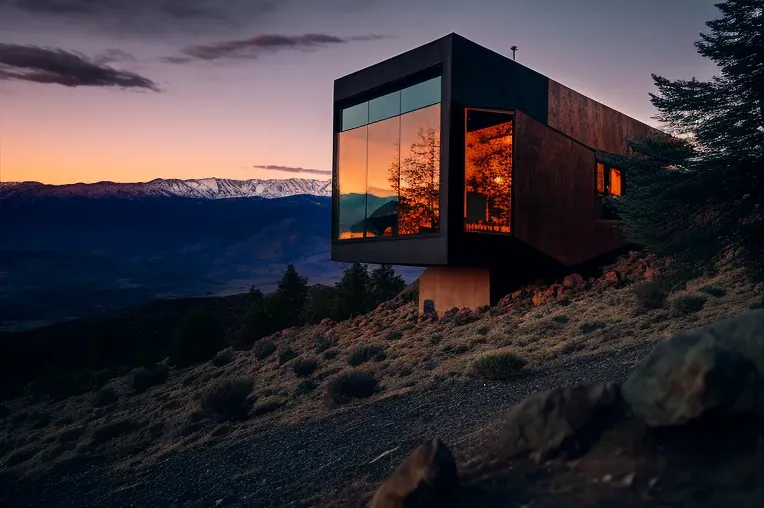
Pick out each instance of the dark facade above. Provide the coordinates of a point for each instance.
(453, 155)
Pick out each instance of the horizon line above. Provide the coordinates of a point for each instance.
(166, 179)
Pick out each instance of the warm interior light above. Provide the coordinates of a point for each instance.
(600, 177)
(615, 182)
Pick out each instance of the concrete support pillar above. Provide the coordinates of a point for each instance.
(448, 287)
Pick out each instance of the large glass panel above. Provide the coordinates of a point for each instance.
(384, 107)
(420, 95)
(419, 185)
(351, 172)
(488, 172)
(381, 183)
(355, 116)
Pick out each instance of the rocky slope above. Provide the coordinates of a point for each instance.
(400, 374)
(695, 400)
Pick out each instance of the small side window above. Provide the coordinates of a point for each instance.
(609, 183)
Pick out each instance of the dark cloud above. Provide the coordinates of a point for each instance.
(113, 55)
(156, 17)
(287, 169)
(143, 15)
(56, 66)
(255, 45)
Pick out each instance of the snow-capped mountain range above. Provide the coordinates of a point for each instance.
(205, 188)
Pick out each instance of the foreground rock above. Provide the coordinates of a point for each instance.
(428, 477)
(715, 369)
(564, 417)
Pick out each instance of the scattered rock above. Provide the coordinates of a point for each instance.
(547, 421)
(717, 368)
(573, 281)
(428, 477)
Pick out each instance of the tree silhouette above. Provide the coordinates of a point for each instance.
(385, 284)
(699, 199)
(288, 301)
(416, 181)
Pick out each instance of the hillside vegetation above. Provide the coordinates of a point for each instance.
(306, 372)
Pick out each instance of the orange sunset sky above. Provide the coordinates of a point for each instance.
(131, 91)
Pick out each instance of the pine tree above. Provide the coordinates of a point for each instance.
(286, 304)
(353, 292)
(698, 196)
(257, 322)
(385, 284)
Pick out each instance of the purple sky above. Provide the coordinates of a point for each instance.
(147, 89)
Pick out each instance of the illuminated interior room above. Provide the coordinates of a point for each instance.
(456, 158)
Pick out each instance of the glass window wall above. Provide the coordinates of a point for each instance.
(388, 164)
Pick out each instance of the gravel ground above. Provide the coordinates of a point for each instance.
(286, 464)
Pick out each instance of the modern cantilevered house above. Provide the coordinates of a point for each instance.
(453, 157)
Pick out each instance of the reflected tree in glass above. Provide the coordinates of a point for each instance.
(488, 179)
(417, 177)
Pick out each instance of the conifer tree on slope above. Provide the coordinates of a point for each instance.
(710, 200)
(286, 304)
(386, 284)
(353, 292)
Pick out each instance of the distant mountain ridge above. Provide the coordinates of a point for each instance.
(204, 188)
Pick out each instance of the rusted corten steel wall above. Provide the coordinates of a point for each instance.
(590, 122)
(554, 195)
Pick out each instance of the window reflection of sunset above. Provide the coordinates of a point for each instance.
(352, 160)
(419, 191)
(488, 175)
(388, 175)
(383, 152)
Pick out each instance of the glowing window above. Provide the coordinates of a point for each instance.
(615, 182)
(600, 178)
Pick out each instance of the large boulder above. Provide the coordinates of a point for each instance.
(717, 369)
(547, 421)
(427, 478)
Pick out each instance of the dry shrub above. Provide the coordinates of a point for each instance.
(394, 335)
(106, 396)
(268, 405)
(498, 366)
(39, 419)
(353, 384)
(286, 355)
(115, 429)
(263, 349)
(143, 378)
(688, 304)
(713, 291)
(323, 343)
(223, 357)
(226, 400)
(650, 295)
(366, 353)
(71, 434)
(306, 387)
(590, 326)
(20, 456)
(304, 367)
